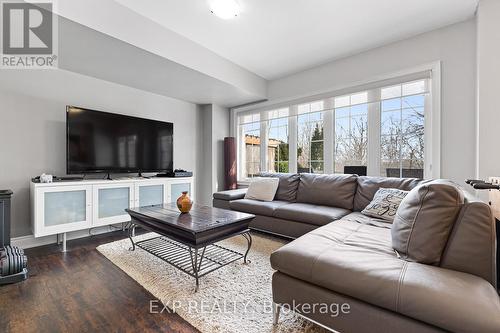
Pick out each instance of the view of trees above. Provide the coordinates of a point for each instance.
(281, 157)
(351, 149)
(402, 141)
(310, 147)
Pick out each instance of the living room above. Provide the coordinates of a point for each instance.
(249, 166)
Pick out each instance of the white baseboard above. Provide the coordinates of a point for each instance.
(29, 241)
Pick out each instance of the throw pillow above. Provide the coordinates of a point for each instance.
(263, 189)
(385, 203)
(288, 185)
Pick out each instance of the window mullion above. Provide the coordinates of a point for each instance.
(242, 153)
(292, 139)
(264, 137)
(374, 132)
(328, 136)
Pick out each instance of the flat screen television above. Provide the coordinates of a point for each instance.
(102, 142)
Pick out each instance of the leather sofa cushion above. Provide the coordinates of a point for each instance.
(309, 213)
(357, 260)
(327, 190)
(288, 185)
(368, 186)
(230, 194)
(265, 208)
(350, 258)
(361, 218)
(424, 220)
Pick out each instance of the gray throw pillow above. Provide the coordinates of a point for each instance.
(385, 203)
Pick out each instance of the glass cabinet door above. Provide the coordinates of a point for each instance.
(110, 202)
(151, 195)
(60, 209)
(113, 201)
(65, 207)
(177, 189)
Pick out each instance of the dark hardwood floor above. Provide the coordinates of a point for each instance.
(80, 291)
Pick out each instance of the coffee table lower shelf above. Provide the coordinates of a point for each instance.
(192, 261)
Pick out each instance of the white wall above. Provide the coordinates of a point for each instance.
(32, 123)
(454, 46)
(488, 75)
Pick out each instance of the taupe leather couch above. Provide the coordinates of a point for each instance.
(343, 257)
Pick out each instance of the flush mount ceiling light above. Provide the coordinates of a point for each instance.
(225, 9)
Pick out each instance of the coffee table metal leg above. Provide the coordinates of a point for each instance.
(196, 265)
(130, 235)
(248, 237)
(195, 268)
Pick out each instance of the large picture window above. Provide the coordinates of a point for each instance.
(402, 130)
(277, 144)
(379, 131)
(249, 145)
(351, 131)
(310, 139)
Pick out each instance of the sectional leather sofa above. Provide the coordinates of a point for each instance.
(341, 256)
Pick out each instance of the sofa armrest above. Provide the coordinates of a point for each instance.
(230, 194)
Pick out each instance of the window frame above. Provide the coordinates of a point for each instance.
(432, 120)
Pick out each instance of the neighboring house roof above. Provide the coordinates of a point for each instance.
(255, 140)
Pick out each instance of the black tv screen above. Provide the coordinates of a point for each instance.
(102, 142)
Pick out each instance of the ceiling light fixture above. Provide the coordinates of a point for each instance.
(225, 9)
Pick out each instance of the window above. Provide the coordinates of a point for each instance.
(402, 130)
(351, 131)
(277, 143)
(249, 145)
(385, 130)
(310, 139)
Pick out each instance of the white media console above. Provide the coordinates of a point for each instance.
(61, 207)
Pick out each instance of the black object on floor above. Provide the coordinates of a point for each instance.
(12, 259)
(5, 196)
(13, 264)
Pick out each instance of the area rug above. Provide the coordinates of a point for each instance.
(236, 298)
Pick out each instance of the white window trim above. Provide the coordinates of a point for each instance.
(374, 129)
(432, 136)
(328, 137)
(292, 139)
(432, 125)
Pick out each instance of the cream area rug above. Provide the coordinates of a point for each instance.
(235, 298)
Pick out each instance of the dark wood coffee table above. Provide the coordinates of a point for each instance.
(184, 236)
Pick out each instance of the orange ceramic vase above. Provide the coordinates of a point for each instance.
(184, 203)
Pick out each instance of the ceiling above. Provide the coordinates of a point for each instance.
(274, 38)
